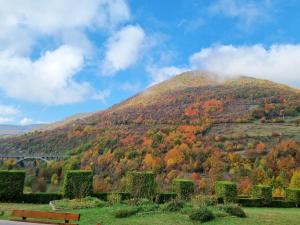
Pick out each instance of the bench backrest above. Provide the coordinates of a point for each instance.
(66, 217)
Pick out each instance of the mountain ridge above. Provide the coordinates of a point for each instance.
(165, 104)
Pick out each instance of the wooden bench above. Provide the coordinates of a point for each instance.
(42, 217)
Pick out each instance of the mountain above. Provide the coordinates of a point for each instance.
(195, 123)
(13, 130)
(191, 98)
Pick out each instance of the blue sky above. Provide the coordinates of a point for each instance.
(62, 57)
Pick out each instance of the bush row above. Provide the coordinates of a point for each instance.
(261, 196)
(40, 198)
(258, 202)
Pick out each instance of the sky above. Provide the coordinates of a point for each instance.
(63, 57)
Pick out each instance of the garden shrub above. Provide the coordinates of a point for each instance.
(263, 192)
(183, 188)
(205, 200)
(78, 184)
(144, 205)
(226, 190)
(139, 201)
(11, 185)
(40, 198)
(293, 195)
(141, 184)
(114, 198)
(164, 197)
(104, 195)
(83, 203)
(202, 214)
(125, 212)
(233, 209)
(173, 206)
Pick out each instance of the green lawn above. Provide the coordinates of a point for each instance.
(255, 216)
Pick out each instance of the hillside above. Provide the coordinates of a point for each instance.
(189, 124)
(188, 98)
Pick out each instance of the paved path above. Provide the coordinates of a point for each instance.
(4, 222)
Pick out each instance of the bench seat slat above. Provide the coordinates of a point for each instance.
(46, 215)
(43, 222)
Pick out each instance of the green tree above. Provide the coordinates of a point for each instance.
(295, 180)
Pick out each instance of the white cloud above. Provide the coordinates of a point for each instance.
(159, 74)
(279, 63)
(5, 120)
(26, 121)
(123, 49)
(246, 11)
(27, 20)
(6, 110)
(48, 80)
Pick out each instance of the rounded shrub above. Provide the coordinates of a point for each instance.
(184, 188)
(233, 209)
(173, 206)
(205, 200)
(125, 212)
(226, 190)
(202, 214)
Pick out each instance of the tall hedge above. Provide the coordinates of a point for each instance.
(184, 188)
(263, 192)
(40, 197)
(293, 194)
(11, 185)
(141, 184)
(78, 184)
(226, 190)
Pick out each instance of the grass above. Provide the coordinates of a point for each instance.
(256, 216)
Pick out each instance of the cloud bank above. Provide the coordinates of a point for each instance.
(279, 63)
(50, 77)
(6, 113)
(122, 49)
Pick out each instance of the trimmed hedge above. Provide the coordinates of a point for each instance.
(164, 197)
(183, 188)
(293, 195)
(141, 184)
(78, 184)
(264, 192)
(226, 190)
(40, 198)
(281, 204)
(103, 195)
(250, 202)
(11, 185)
